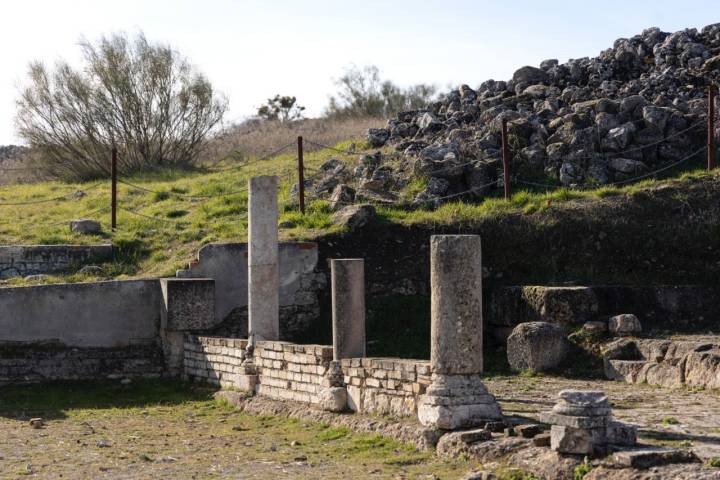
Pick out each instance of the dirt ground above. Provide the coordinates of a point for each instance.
(152, 430)
(135, 432)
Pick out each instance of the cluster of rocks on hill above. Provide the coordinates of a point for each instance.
(12, 152)
(637, 107)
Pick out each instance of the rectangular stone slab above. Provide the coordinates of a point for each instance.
(553, 418)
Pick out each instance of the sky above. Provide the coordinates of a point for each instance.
(253, 49)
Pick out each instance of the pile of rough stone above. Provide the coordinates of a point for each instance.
(582, 424)
(636, 107)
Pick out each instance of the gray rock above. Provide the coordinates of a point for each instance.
(530, 75)
(646, 458)
(577, 441)
(595, 327)
(624, 325)
(539, 346)
(342, 195)
(584, 397)
(570, 174)
(330, 165)
(91, 270)
(354, 216)
(377, 137)
(85, 226)
(626, 165)
(333, 399)
(622, 434)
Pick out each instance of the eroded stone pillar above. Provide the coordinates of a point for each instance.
(348, 307)
(456, 397)
(263, 276)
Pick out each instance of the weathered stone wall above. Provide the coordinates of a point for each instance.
(285, 371)
(100, 314)
(297, 372)
(22, 260)
(214, 360)
(300, 284)
(23, 363)
(291, 372)
(386, 386)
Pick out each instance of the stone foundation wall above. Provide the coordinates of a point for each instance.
(386, 386)
(285, 371)
(213, 360)
(29, 363)
(291, 372)
(23, 260)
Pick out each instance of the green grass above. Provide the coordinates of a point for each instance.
(670, 421)
(183, 220)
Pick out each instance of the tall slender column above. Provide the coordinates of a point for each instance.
(348, 307)
(263, 276)
(456, 396)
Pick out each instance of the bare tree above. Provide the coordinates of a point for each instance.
(145, 99)
(362, 93)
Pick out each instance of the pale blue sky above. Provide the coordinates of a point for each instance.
(252, 49)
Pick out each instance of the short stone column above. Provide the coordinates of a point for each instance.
(456, 396)
(348, 307)
(263, 273)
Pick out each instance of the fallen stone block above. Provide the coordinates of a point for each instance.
(577, 441)
(539, 346)
(85, 226)
(624, 325)
(652, 457)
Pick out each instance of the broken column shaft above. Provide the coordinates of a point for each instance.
(348, 307)
(263, 276)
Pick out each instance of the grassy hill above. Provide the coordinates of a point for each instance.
(165, 217)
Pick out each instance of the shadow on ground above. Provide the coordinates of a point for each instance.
(53, 400)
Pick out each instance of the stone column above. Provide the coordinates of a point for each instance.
(263, 276)
(456, 397)
(348, 307)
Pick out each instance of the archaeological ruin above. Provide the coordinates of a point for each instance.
(230, 318)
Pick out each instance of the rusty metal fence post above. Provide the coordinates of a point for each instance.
(113, 190)
(506, 160)
(301, 175)
(712, 92)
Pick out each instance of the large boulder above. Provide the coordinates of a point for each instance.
(530, 75)
(354, 216)
(539, 346)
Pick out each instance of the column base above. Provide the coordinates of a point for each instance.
(333, 399)
(457, 401)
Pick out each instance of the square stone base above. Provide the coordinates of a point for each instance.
(578, 441)
(246, 383)
(457, 401)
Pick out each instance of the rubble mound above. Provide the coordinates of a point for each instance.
(637, 108)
